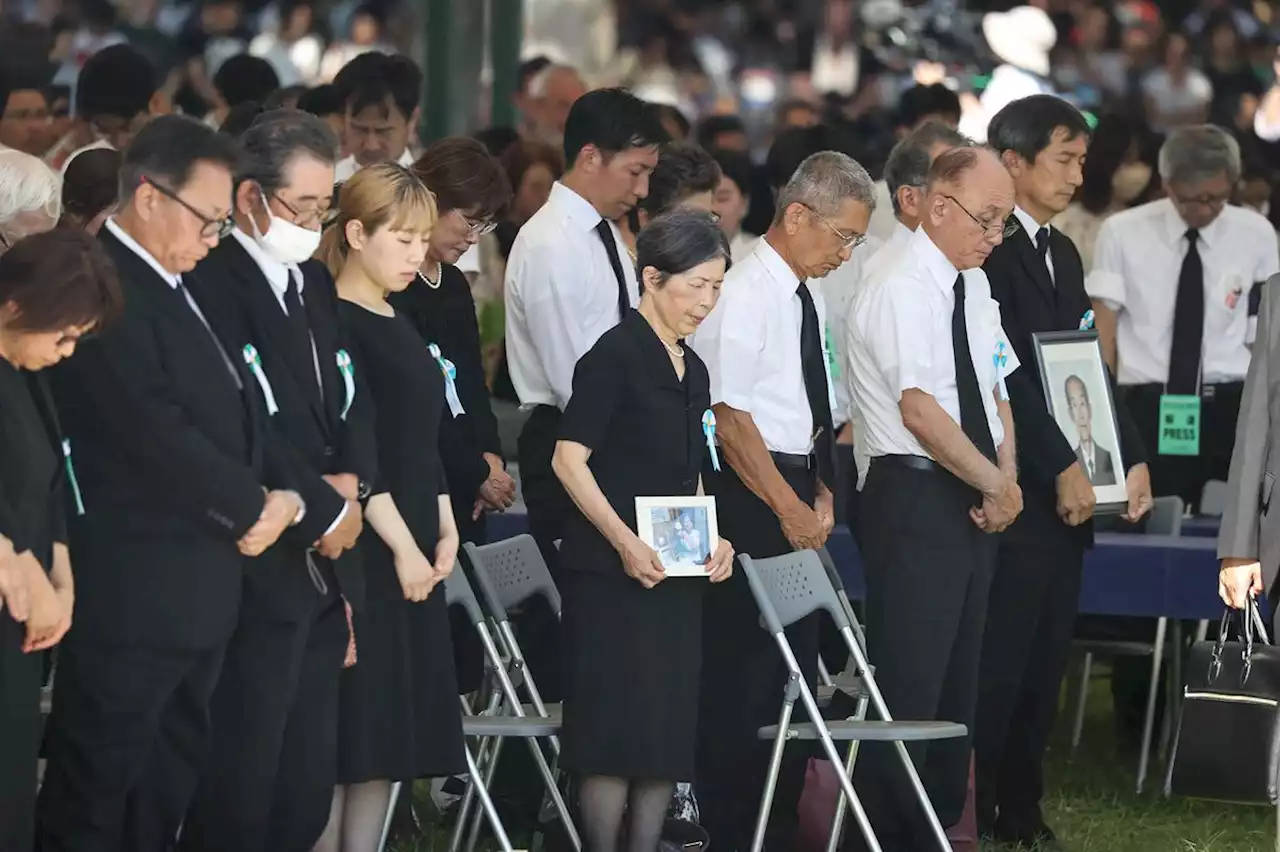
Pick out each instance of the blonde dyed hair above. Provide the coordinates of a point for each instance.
(387, 195)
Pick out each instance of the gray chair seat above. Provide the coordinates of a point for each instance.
(847, 682)
(510, 726)
(873, 731)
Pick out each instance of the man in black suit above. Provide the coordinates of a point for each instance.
(177, 485)
(1037, 278)
(1095, 461)
(273, 767)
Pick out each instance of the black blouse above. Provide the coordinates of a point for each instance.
(32, 507)
(446, 316)
(643, 426)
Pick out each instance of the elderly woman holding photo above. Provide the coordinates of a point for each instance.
(633, 428)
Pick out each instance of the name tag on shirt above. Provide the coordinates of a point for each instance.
(1179, 425)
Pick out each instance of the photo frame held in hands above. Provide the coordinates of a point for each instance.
(1078, 392)
(681, 530)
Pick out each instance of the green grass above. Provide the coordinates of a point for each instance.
(1092, 804)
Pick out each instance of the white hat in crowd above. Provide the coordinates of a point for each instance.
(1021, 37)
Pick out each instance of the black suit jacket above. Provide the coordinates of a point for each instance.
(308, 430)
(1032, 302)
(1103, 470)
(169, 455)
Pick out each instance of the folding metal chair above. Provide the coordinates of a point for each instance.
(788, 588)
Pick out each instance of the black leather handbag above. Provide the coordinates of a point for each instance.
(1228, 746)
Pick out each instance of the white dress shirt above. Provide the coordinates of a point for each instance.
(561, 295)
(1030, 228)
(883, 220)
(838, 289)
(1136, 264)
(751, 346)
(1008, 84)
(901, 339)
(348, 166)
(741, 246)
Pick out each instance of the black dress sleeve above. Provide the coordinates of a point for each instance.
(358, 449)
(599, 382)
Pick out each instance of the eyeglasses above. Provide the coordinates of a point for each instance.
(1202, 200)
(1006, 228)
(479, 227)
(317, 216)
(220, 228)
(848, 242)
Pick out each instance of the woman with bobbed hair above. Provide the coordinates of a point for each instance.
(634, 428)
(55, 288)
(30, 197)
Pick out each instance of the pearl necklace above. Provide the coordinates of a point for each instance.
(676, 350)
(434, 285)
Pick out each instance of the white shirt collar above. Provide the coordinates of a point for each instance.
(932, 259)
(1029, 225)
(348, 166)
(901, 233)
(776, 267)
(577, 208)
(132, 245)
(277, 273)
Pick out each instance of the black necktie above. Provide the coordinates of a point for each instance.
(605, 233)
(300, 327)
(813, 368)
(1042, 242)
(973, 414)
(1188, 322)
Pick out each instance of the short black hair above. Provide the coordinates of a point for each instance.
(674, 113)
(737, 167)
(321, 100)
(59, 279)
(1113, 139)
(279, 99)
(908, 163)
(244, 78)
(711, 128)
(682, 170)
(1026, 126)
(118, 82)
(169, 147)
(918, 102)
(528, 70)
(240, 118)
(372, 79)
(794, 145)
(276, 137)
(90, 183)
(611, 120)
(497, 139)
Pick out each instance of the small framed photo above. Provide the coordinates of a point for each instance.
(1079, 395)
(681, 530)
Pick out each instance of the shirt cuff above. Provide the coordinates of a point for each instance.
(338, 520)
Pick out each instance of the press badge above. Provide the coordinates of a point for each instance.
(709, 430)
(450, 381)
(1179, 425)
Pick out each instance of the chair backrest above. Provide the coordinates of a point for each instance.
(1166, 516)
(511, 572)
(1213, 499)
(458, 592)
(833, 574)
(789, 587)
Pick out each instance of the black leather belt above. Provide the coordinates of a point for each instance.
(913, 462)
(792, 460)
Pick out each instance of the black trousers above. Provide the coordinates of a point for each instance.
(1030, 619)
(928, 571)
(20, 679)
(1185, 476)
(743, 677)
(126, 743)
(270, 778)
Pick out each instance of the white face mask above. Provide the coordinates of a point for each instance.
(285, 242)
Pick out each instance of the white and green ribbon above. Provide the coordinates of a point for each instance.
(252, 358)
(450, 380)
(348, 380)
(709, 429)
(71, 476)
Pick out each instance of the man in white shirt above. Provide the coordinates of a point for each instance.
(771, 394)
(380, 93)
(1175, 287)
(942, 480)
(1022, 38)
(552, 93)
(567, 283)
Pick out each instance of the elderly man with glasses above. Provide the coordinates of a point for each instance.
(773, 403)
(178, 484)
(1176, 287)
(929, 383)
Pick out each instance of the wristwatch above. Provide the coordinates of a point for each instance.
(302, 509)
(363, 490)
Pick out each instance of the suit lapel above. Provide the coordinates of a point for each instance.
(1072, 300)
(318, 300)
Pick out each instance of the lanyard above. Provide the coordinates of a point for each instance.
(348, 379)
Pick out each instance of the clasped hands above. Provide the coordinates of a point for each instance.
(32, 599)
(418, 575)
(642, 563)
(498, 492)
(1001, 503)
(282, 507)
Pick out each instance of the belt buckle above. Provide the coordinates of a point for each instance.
(1207, 392)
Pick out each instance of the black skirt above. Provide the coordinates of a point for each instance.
(20, 676)
(633, 658)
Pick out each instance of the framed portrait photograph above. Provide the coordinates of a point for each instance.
(681, 530)
(1079, 395)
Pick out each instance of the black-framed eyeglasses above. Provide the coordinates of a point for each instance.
(221, 228)
(1006, 228)
(1201, 200)
(848, 242)
(317, 216)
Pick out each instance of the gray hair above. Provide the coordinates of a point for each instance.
(276, 137)
(908, 163)
(677, 241)
(28, 185)
(539, 82)
(1199, 152)
(825, 181)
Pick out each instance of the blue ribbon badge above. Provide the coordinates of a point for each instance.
(1000, 359)
(450, 380)
(1086, 321)
(709, 429)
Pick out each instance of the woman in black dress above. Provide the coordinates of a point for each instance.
(54, 288)
(399, 717)
(633, 428)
